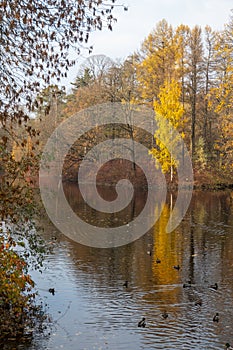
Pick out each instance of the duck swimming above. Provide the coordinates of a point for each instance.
(142, 323)
(165, 315)
(214, 286)
(216, 317)
(228, 346)
(52, 291)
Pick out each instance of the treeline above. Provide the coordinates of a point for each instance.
(185, 74)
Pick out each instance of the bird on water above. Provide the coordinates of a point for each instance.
(187, 285)
(142, 323)
(165, 315)
(214, 286)
(216, 317)
(52, 291)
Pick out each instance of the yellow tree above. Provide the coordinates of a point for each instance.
(225, 107)
(157, 61)
(181, 37)
(168, 115)
(224, 142)
(222, 98)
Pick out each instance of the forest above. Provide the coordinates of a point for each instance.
(184, 74)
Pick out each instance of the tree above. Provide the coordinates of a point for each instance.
(157, 61)
(201, 157)
(50, 102)
(168, 116)
(209, 81)
(181, 38)
(203, 65)
(222, 98)
(35, 41)
(120, 81)
(97, 66)
(83, 80)
(195, 75)
(15, 305)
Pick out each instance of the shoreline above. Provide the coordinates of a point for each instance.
(171, 186)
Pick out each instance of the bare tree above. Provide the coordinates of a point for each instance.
(97, 65)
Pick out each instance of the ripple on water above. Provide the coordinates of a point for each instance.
(93, 310)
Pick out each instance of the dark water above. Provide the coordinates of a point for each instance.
(91, 309)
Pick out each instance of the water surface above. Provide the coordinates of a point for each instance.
(91, 309)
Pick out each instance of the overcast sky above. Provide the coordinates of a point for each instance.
(134, 25)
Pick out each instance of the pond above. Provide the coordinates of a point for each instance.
(93, 309)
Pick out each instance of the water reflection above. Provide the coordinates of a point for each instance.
(92, 308)
(101, 219)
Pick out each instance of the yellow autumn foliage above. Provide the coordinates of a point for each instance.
(168, 115)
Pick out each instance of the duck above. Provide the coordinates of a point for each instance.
(142, 323)
(214, 286)
(165, 315)
(177, 267)
(187, 285)
(52, 291)
(216, 317)
(228, 346)
(149, 252)
(126, 284)
(158, 261)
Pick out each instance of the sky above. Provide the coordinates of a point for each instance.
(134, 25)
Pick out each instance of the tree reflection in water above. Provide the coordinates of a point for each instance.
(104, 313)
